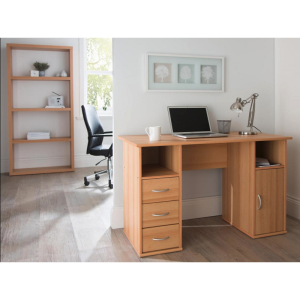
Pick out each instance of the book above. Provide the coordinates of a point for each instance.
(40, 135)
(259, 161)
(263, 162)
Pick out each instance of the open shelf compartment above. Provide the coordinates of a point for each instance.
(163, 161)
(273, 151)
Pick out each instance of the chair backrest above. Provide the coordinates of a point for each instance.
(93, 126)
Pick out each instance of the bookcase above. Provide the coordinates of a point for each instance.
(65, 114)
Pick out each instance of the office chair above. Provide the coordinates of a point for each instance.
(95, 147)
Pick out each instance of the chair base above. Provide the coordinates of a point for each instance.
(97, 174)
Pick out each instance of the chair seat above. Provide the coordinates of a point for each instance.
(101, 150)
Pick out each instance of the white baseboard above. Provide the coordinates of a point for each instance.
(81, 161)
(4, 165)
(293, 207)
(86, 160)
(191, 209)
(117, 217)
(201, 207)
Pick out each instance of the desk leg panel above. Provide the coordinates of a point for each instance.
(226, 198)
(240, 186)
(132, 195)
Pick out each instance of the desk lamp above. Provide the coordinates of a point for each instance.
(238, 107)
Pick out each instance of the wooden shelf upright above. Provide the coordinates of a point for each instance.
(12, 110)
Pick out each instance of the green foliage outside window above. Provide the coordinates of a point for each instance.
(99, 58)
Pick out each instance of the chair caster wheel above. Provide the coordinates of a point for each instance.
(97, 177)
(110, 185)
(86, 182)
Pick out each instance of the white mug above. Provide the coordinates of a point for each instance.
(153, 133)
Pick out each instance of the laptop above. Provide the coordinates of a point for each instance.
(191, 122)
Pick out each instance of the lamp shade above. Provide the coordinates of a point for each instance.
(237, 106)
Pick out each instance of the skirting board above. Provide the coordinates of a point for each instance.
(293, 207)
(81, 161)
(191, 209)
(203, 207)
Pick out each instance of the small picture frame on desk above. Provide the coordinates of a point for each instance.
(184, 73)
(34, 73)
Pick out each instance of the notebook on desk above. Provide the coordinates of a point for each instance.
(191, 122)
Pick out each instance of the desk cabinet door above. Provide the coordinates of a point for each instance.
(269, 216)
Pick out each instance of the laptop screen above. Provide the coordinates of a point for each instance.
(189, 119)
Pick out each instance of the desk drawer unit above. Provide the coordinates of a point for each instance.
(160, 238)
(161, 213)
(163, 189)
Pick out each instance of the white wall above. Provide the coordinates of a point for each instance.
(26, 157)
(249, 68)
(287, 113)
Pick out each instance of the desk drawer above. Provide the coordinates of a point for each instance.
(161, 213)
(159, 238)
(164, 189)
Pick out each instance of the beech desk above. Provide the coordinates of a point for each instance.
(253, 199)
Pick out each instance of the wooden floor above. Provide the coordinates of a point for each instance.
(53, 217)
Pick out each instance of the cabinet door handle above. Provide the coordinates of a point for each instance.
(161, 239)
(259, 198)
(162, 215)
(160, 191)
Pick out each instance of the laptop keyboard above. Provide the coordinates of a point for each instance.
(198, 134)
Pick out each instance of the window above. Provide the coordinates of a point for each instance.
(97, 74)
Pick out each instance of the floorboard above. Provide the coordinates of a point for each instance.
(55, 218)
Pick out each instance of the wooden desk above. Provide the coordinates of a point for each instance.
(253, 200)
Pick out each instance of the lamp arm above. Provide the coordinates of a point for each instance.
(248, 100)
(251, 114)
(251, 99)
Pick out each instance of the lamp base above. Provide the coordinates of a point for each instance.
(247, 133)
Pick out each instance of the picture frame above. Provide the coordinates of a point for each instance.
(184, 73)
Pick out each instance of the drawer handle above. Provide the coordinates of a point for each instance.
(160, 191)
(259, 198)
(161, 239)
(155, 215)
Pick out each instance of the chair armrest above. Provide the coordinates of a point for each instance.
(101, 134)
(107, 132)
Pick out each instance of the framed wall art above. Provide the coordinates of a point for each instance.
(184, 73)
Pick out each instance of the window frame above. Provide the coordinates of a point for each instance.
(83, 79)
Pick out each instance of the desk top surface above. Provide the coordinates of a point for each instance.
(169, 140)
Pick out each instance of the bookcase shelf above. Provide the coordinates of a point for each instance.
(41, 109)
(31, 171)
(40, 47)
(41, 78)
(24, 141)
(11, 116)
